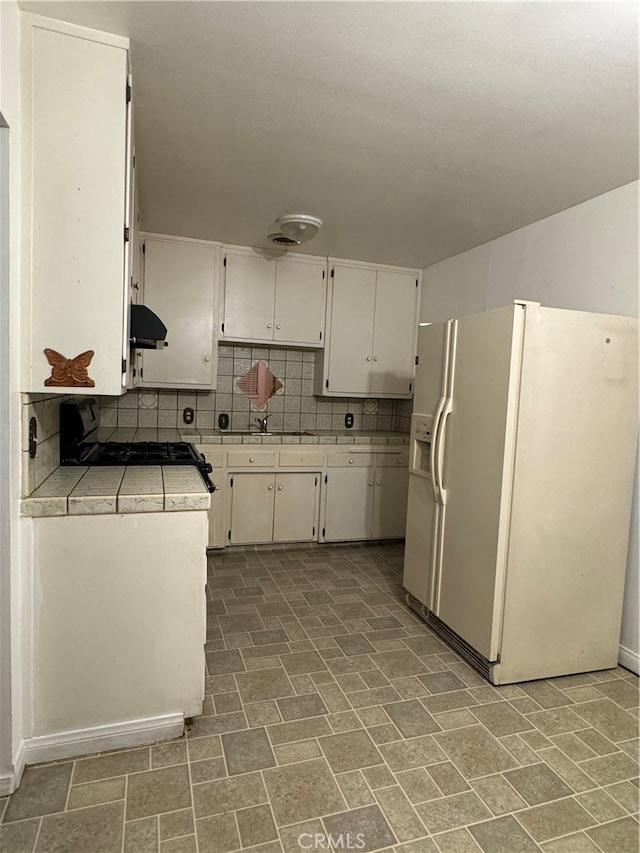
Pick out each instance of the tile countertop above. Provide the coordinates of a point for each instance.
(317, 436)
(118, 489)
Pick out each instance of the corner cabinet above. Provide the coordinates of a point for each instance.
(272, 299)
(372, 326)
(180, 284)
(77, 202)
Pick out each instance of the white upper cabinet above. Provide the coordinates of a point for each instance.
(372, 324)
(273, 300)
(77, 202)
(180, 286)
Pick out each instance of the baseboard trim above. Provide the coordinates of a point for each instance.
(10, 781)
(629, 659)
(76, 742)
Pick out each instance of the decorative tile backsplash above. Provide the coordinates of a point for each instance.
(45, 408)
(295, 408)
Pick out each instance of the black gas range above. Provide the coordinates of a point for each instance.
(79, 444)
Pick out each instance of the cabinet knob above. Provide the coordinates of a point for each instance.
(368, 358)
(216, 487)
(371, 482)
(375, 358)
(378, 483)
(269, 326)
(252, 459)
(277, 325)
(270, 488)
(351, 462)
(279, 488)
(400, 461)
(207, 359)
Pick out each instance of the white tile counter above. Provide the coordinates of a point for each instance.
(318, 436)
(118, 489)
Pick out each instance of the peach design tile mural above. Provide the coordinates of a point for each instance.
(259, 384)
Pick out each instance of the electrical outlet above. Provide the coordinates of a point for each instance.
(348, 420)
(188, 415)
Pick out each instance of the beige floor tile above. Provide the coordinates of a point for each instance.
(545, 694)
(226, 795)
(19, 837)
(537, 784)
(609, 719)
(408, 754)
(246, 751)
(298, 730)
(176, 824)
(349, 751)
(447, 778)
(620, 836)
(474, 751)
(367, 825)
(302, 750)
(578, 842)
(452, 812)
(264, 684)
(94, 793)
(411, 718)
(355, 789)
(43, 790)
(378, 777)
(77, 831)
(503, 835)
(141, 836)
(300, 838)
(456, 841)
(498, 794)
(501, 719)
(256, 825)
(207, 770)
(399, 664)
(298, 792)
(217, 834)
(607, 769)
(165, 754)
(157, 791)
(400, 814)
(621, 692)
(186, 844)
(560, 817)
(627, 794)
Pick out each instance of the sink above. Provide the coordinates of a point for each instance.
(257, 432)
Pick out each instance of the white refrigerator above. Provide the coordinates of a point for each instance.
(522, 455)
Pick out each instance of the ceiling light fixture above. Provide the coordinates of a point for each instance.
(299, 227)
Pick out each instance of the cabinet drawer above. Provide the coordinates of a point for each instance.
(250, 459)
(392, 460)
(215, 457)
(355, 460)
(300, 459)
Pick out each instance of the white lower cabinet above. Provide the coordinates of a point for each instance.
(349, 501)
(365, 496)
(389, 503)
(270, 507)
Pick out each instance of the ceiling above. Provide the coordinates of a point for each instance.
(415, 130)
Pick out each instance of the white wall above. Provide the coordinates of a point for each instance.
(15, 566)
(584, 258)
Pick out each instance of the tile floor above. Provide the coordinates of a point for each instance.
(332, 711)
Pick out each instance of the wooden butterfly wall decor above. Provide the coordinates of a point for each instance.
(69, 372)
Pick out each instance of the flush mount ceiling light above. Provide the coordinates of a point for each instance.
(299, 227)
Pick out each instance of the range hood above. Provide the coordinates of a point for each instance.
(146, 329)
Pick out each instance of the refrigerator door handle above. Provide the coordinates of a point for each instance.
(433, 451)
(440, 448)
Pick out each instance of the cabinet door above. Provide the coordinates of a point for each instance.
(349, 503)
(352, 313)
(295, 517)
(179, 285)
(394, 333)
(300, 301)
(249, 297)
(76, 138)
(252, 499)
(390, 503)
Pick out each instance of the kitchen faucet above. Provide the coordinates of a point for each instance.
(262, 422)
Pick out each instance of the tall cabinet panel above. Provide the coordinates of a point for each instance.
(372, 325)
(352, 317)
(299, 301)
(77, 197)
(394, 335)
(180, 287)
(248, 300)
